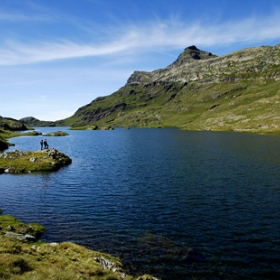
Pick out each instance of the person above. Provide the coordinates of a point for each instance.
(41, 143)
(46, 146)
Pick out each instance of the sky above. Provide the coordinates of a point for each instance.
(59, 55)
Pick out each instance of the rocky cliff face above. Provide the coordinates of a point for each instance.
(204, 67)
(237, 91)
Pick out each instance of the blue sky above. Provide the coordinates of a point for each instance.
(58, 55)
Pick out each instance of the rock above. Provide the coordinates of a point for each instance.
(29, 237)
(112, 266)
(33, 159)
(21, 237)
(53, 244)
(13, 235)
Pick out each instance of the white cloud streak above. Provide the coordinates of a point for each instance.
(13, 17)
(160, 35)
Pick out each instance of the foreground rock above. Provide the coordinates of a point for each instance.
(28, 162)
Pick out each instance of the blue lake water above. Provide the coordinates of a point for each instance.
(175, 204)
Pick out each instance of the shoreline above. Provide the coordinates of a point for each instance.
(32, 258)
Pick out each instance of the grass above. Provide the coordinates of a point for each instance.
(24, 261)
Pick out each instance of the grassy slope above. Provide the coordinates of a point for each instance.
(245, 106)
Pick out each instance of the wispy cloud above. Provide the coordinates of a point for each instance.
(159, 35)
(18, 17)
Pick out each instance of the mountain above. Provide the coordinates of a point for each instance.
(11, 124)
(239, 91)
(31, 121)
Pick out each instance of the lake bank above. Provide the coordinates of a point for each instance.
(40, 260)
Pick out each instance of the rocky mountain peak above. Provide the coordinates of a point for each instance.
(191, 53)
(189, 56)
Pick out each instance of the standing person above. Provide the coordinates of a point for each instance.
(46, 146)
(41, 143)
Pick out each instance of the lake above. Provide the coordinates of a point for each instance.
(174, 204)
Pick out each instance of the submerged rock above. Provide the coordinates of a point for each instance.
(156, 246)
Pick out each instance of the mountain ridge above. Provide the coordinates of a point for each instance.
(238, 91)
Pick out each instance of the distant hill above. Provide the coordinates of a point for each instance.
(31, 121)
(239, 91)
(11, 124)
